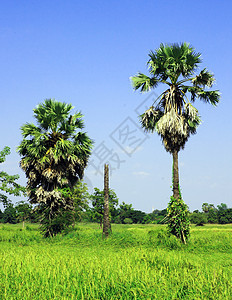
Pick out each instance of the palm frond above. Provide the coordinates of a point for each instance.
(29, 129)
(143, 82)
(150, 118)
(192, 117)
(205, 78)
(211, 97)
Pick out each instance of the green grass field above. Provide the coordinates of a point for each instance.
(135, 262)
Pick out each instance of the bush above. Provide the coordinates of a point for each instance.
(58, 224)
(128, 221)
(198, 218)
(9, 215)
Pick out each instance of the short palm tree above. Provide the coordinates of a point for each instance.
(54, 154)
(172, 114)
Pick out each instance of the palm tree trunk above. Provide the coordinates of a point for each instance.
(176, 193)
(106, 218)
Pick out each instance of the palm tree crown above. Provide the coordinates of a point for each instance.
(172, 114)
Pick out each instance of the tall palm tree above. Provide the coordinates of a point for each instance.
(172, 114)
(54, 154)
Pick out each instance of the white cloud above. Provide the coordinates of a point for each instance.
(141, 173)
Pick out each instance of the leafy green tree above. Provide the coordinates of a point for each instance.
(157, 216)
(211, 212)
(206, 207)
(198, 218)
(212, 216)
(9, 214)
(80, 197)
(8, 183)
(123, 212)
(137, 216)
(172, 114)
(222, 207)
(97, 200)
(224, 214)
(54, 154)
(147, 219)
(23, 211)
(125, 207)
(126, 211)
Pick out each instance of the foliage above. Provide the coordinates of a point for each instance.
(178, 219)
(210, 213)
(156, 217)
(97, 201)
(198, 218)
(23, 211)
(123, 207)
(128, 221)
(207, 207)
(79, 196)
(60, 222)
(126, 211)
(122, 212)
(8, 183)
(224, 214)
(54, 155)
(137, 216)
(9, 215)
(172, 114)
(212, 216)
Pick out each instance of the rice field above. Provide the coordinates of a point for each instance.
(135, 262)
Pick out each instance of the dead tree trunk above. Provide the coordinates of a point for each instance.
(106, 218)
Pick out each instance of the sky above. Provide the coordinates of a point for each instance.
(84, 52)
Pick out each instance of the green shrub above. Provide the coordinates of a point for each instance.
(198, 218)
(128, 221)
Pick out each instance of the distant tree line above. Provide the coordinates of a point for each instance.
(90, 208)
(212, 215)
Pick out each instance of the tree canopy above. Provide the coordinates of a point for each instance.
(97, 201)
(8, 183)
(54, 153)
(172, 114)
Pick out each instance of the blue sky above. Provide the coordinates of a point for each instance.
(83, 52)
